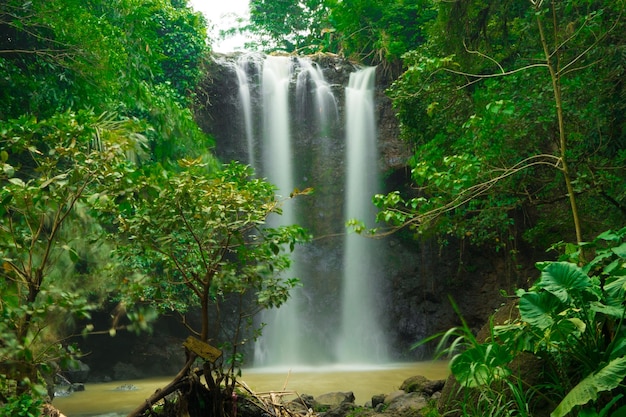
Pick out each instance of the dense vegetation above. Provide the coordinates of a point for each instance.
(515, 109)
(109, 192)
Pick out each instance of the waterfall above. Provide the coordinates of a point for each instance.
(324, 106)
(361, 340)
(245, 95)
(278, 344)
(293, 128)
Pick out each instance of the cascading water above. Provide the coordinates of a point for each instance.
(361, 340)
(241, 69)
(277, 346)
(302, 144)
(324, 105)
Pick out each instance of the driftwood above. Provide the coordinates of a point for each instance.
(270, 402)
(179, 380)
(195, 348)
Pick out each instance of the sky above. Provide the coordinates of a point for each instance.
(222, 14)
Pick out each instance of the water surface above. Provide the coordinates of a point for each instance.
(364, 381)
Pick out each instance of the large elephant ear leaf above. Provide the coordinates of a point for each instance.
(563, 278)
(606, 379)
(539, 309)
(615, 288)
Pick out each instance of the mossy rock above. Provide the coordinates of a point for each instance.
(419, 383)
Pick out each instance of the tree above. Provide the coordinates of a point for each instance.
(50, 171)
(288, 25)
(84, 86)
(491, 150)
(379, 32)
(197, 237)
(137, 60)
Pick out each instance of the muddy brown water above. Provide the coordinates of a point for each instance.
(102, 399)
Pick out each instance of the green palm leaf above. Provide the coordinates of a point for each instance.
(606, 379)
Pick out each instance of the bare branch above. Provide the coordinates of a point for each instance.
(484, 56)
(563, 71)
(475, 191)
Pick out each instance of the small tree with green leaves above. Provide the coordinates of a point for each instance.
(49, 169)
(197, 237)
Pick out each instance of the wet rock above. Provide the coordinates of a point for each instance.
(64, 388)
(308, 400)
(78, 373)
(405, 403)
(341, 411)
(62, 391)
(378, 399)
(77, 387)
(419, 383)
(335, 399)
(389, 398)
(302, 404)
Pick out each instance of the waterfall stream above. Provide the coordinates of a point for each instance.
(361, 339)
(276, 346)
(300, 132)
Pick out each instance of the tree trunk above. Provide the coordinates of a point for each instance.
(558, 102)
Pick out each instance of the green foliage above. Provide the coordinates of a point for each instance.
(197, 237)
(369, 31)
(50, 170)
(21, 406)
(605, 379)
(94, 93)
(379, 32)
(571, 318)
(431, 410)
(495, 140)
(287, 25)
(137, 60)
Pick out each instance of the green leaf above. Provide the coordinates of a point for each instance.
(8, 170)
(606, 379)
(620, 250)
(537, 309)
(561, 278)
(17, 181)
(482, 364)
(616, 312)
(608, 235)
(615, 287)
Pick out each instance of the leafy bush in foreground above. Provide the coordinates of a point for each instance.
(571, 319)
